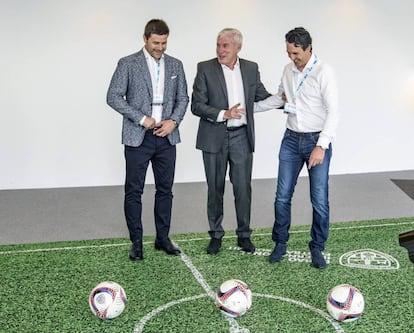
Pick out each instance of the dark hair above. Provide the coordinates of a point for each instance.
(300, 37)
(156, 26)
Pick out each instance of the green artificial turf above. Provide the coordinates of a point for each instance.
(45, 287)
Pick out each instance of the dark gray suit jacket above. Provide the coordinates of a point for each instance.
(210, 97)
(130, 93)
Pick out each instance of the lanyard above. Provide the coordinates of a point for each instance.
(158, 94)
(158, 71)
(305, 76)
(157, 75)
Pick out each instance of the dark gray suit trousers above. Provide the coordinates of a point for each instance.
(236, 154)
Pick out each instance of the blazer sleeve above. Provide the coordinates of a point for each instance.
(118, 89)
(181, 95)
(261, 92)
(204, 100)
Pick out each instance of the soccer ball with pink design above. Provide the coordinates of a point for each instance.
(234, 298)
(107, 300)
(345, 303)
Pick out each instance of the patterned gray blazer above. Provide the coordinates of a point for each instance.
(130, 94)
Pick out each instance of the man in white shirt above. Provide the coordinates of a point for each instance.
(308, 92)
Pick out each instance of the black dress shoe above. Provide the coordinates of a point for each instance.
(246, 244)
(214, 246)
(167, 247)
(136, 251)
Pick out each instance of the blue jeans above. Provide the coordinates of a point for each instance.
(294, 152)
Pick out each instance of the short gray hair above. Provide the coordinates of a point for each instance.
(237, 35)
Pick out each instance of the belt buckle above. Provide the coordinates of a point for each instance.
(234, 128)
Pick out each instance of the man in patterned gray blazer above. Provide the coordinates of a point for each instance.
(149, 90)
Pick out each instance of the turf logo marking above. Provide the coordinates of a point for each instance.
(369, 259)
(302, 256)
(292, 256)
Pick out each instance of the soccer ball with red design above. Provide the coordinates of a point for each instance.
(107, 300)
(345, 303)
(234, 298)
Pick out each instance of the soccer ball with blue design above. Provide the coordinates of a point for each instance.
(234, 298)
(107, 300)
(345, 303)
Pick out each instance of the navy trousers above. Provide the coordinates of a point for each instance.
(162, 156)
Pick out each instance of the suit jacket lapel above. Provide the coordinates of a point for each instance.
(245, 80)
(167, 76)
(142, 63)
(220, 78)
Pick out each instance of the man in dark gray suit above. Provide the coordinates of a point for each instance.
(149, 90)
(224, 91)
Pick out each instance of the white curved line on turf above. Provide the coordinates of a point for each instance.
(323, 314)
(234, 325)
(83, 247)
(140, 327)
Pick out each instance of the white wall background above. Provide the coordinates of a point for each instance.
(57, 58)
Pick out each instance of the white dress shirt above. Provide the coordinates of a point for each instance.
(157, 71)
(235, 94)
(315, 101)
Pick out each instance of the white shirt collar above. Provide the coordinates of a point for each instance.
(308, 64)
(236, 65)
(149, 56)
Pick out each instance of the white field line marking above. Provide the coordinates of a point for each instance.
(66, 248)
(323, 314)
(234, 325)
(82, 247)
(141, 325)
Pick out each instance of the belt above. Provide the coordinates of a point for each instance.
(301, 134)
(235, 128)
(157, 104)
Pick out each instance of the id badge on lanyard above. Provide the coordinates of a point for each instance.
(291, 107)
